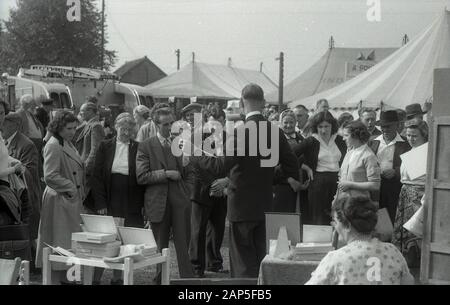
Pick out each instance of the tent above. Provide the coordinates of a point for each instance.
(336, 66)
(209, 82)
(405, 77)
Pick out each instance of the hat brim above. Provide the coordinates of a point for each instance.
(385, 123)
(410, 116)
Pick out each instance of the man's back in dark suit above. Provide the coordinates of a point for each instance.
(250, 188)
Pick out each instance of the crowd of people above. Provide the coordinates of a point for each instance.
(56, 165)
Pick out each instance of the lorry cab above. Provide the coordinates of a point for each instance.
(84, 82)
(16, 87)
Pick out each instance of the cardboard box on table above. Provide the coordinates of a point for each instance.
(98, 239)
(316, 243)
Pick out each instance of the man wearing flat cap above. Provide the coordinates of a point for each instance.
(23, 149)
(388, 147)
(189, 112)
(250, 186)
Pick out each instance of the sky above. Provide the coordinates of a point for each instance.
(254, 31)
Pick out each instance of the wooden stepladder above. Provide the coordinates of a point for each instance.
(435, 264)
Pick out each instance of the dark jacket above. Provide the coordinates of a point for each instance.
(400, 148)
(250, 189)
(204, 179)
(101, 189)
(150, 171)
(309, 149)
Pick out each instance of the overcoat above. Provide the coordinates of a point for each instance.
(60, 215)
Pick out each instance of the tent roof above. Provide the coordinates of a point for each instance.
(209, 81)
(328, 72)
(404, 77)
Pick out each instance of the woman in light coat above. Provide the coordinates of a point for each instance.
(64, 194)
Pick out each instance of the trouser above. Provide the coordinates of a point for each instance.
(247, 248)
(207, 230)
(177, 217)
(389, 195)
(321, 193)
(285, 199)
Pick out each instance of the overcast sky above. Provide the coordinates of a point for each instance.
(251, 31)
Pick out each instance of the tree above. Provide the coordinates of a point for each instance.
(38, 32)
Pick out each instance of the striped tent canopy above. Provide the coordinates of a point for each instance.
(404, 77)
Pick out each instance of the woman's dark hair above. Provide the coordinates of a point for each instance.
(217, 113)
(5, 106)
(344, 118)
(323, 116)
(61, 119)
(358, 211)
(358, 130)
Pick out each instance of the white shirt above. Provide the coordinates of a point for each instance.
(329, 155)
(163, 140)
(385, 152)
(120, 163)
(252, 114)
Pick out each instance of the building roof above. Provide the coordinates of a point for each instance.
(129, 65)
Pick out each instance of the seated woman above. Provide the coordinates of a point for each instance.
(360, 171)
(364, 260)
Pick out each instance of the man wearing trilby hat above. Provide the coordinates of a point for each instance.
(388, 147)
(414, 111)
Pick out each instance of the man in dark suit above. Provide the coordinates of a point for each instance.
(30, 127)
(168, 188)
(388, 147)
(87, 140)
(24, 150)
(44, 113)
(208, 206)
(251, 175)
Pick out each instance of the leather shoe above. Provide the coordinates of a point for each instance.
(199, 274)
(218, 270)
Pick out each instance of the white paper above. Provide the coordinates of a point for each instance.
(415, 161)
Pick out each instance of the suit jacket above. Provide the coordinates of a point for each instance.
(204, 179)
(25, 128)
(308, 151)
(43, 116)
(22, 149)
(150, 171)
(101, 182)
(86, 140)
(400, 148)
(250, 188)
